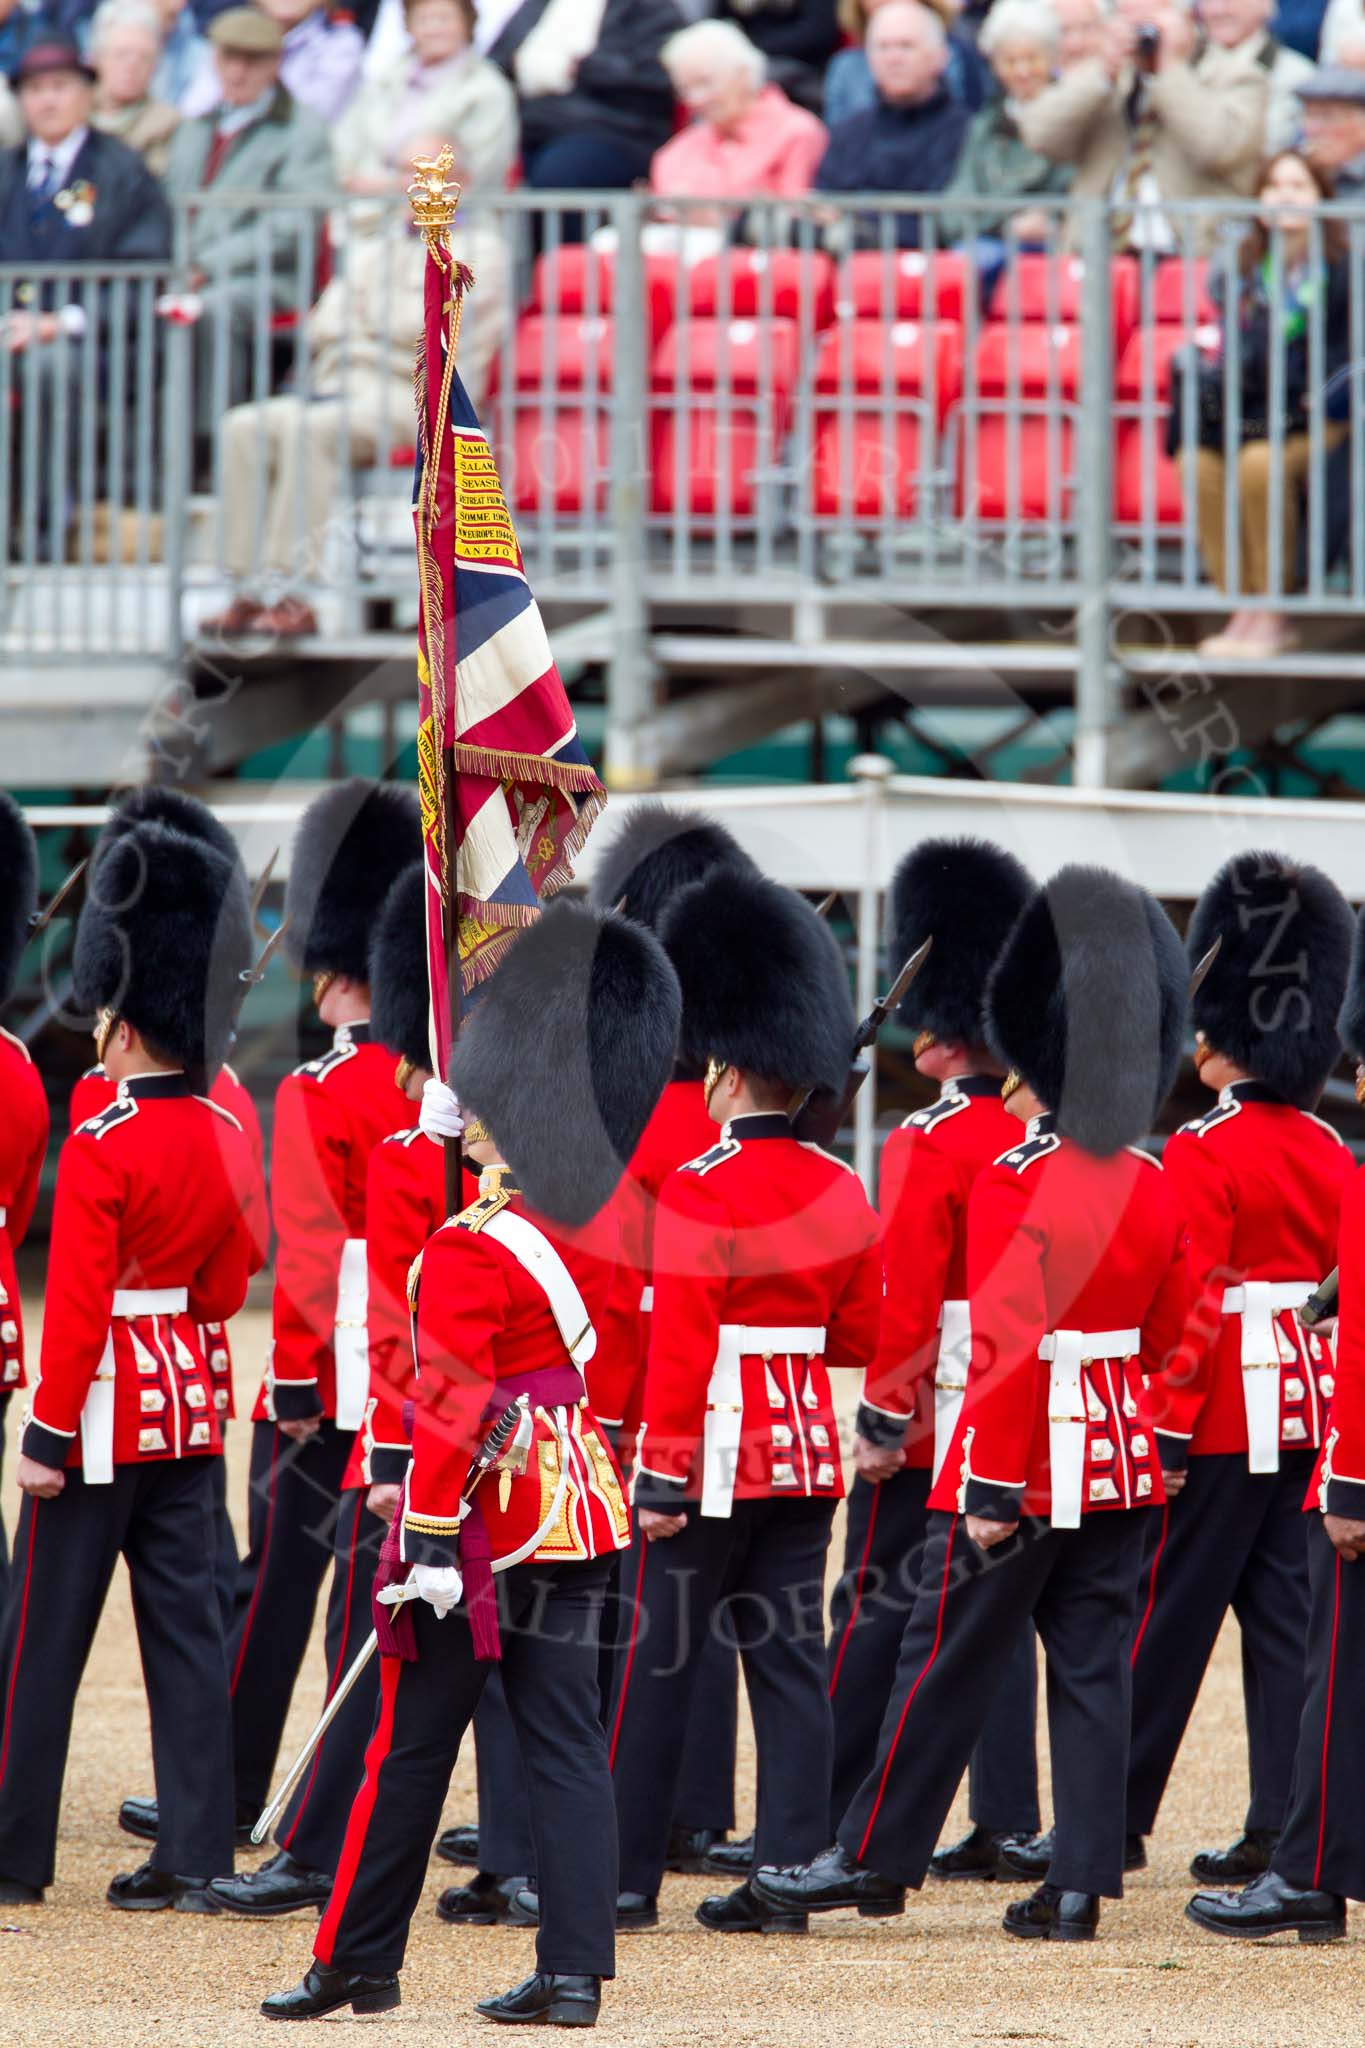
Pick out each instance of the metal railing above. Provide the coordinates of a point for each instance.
(760, 408)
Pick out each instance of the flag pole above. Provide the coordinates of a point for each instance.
(434, 197)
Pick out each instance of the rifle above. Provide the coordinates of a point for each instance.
(1321, 1305)
(818, 1114)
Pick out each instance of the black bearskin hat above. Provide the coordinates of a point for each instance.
(1087, 1001)
(964, 894)
(1352, 1025)
(18, 889)
(163, 939)
(567, 1053)
(763, 981)
(352, 844)
(155, 803)
(1271, 1000)
(657, 852)
(399, 995)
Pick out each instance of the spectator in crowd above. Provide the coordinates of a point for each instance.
(323, 53)
(797, 37)
(26, 22)
(1274, 317)
(911, 140)
(283, 458)
(185, 76)
(257, 141)
(745, 138)
(1080, 30)
(68, 194)
(1155, 116)
(848, 80)
(1343, 20)
(595, 100)
(125, 45)
(438, 87)
(11, 120)
(1333, 102)
(1243, 26)
(1299, 25)
(1020, 39)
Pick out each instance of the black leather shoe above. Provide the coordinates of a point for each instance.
(547, 2001)
(832, 1883)
(977, 1855)
(459, 1845)
(139, 1817)
(279, 1886)
(1270, 1906)
(148, 1890)
(634, 1911)
(730, 1859)
(14, 1892)
(483, 1902)
(1031, 1855)
(1054, 1915)
(739, 1912)
(1248, 1857)
(688, 1849)
(326, 1990)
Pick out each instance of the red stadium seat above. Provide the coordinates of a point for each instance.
(702, 369)
(560, 462)
(902, 284)
(867, 458)
(563, 352)
(791, 284)
(1037, 287)
(578, 279)
(743, 356)
(1023, 396)
(1171, 281)
(1028, 362)
(557, 454)
(1148, 486)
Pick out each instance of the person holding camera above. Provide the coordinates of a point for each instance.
(1154, 115)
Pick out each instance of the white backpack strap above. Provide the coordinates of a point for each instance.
(533, 1251)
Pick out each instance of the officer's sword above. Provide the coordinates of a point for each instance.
(487, 1455)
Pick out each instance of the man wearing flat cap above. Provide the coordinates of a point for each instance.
(256, 140)
(1333, 102)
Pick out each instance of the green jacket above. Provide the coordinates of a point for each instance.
(995, 161)
(288, 150)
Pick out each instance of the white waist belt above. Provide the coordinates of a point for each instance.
(725, 1402)
(350, 1337)
(1258, 1302)
(150, 1301)
(4, 1218)
(1069, 1352)
(646, 1301)
(950, 1374)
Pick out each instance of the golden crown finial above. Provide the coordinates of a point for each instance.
(433, 194)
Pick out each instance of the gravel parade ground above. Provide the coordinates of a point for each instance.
(74, 1970)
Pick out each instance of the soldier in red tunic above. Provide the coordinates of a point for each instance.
(1318, 1862)
(1260, 1182)
(964, 894)
(559, 1067)
(23, 1111)
(149, 1241)
(767, 1275)
(1077, 1290)
(330, 1113)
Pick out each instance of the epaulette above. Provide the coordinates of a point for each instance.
(1200, 1126)
(809, 1145)
(482, 1211)
(1138, 1153)
(20, 1047)
(108, 1119)
(327, 1063)
(219, 1110)
(935, 1113)
(1323, 1125)
(1021, 1157)
(404, 1137)
(726, 1148)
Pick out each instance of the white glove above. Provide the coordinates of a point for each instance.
(440, 1115)
(440, 1584)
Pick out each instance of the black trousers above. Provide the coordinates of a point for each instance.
(1232, 1539)
(758, 1576)
(160, 1518)
(1322, 1846)
(313, 1825)
(883, 1557)
(227, 1566)
(4, 1541)
(550, 1618)
(1080, 1588)
(506, 1838)
(292, 1512)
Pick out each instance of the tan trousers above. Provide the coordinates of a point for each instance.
(1253, 508)
(282, 462)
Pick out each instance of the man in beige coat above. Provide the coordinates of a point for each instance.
(1141, 124)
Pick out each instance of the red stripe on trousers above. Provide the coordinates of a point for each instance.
(630, 1658)
(1327, 1727)
(19, 1638)
(357, 1827)
(857, 1591)
(910, 1696)
(265, 1552)
(334, 1680)
(1151, 1583)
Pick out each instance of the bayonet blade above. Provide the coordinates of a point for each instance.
(41, 919)
(1201, 972)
